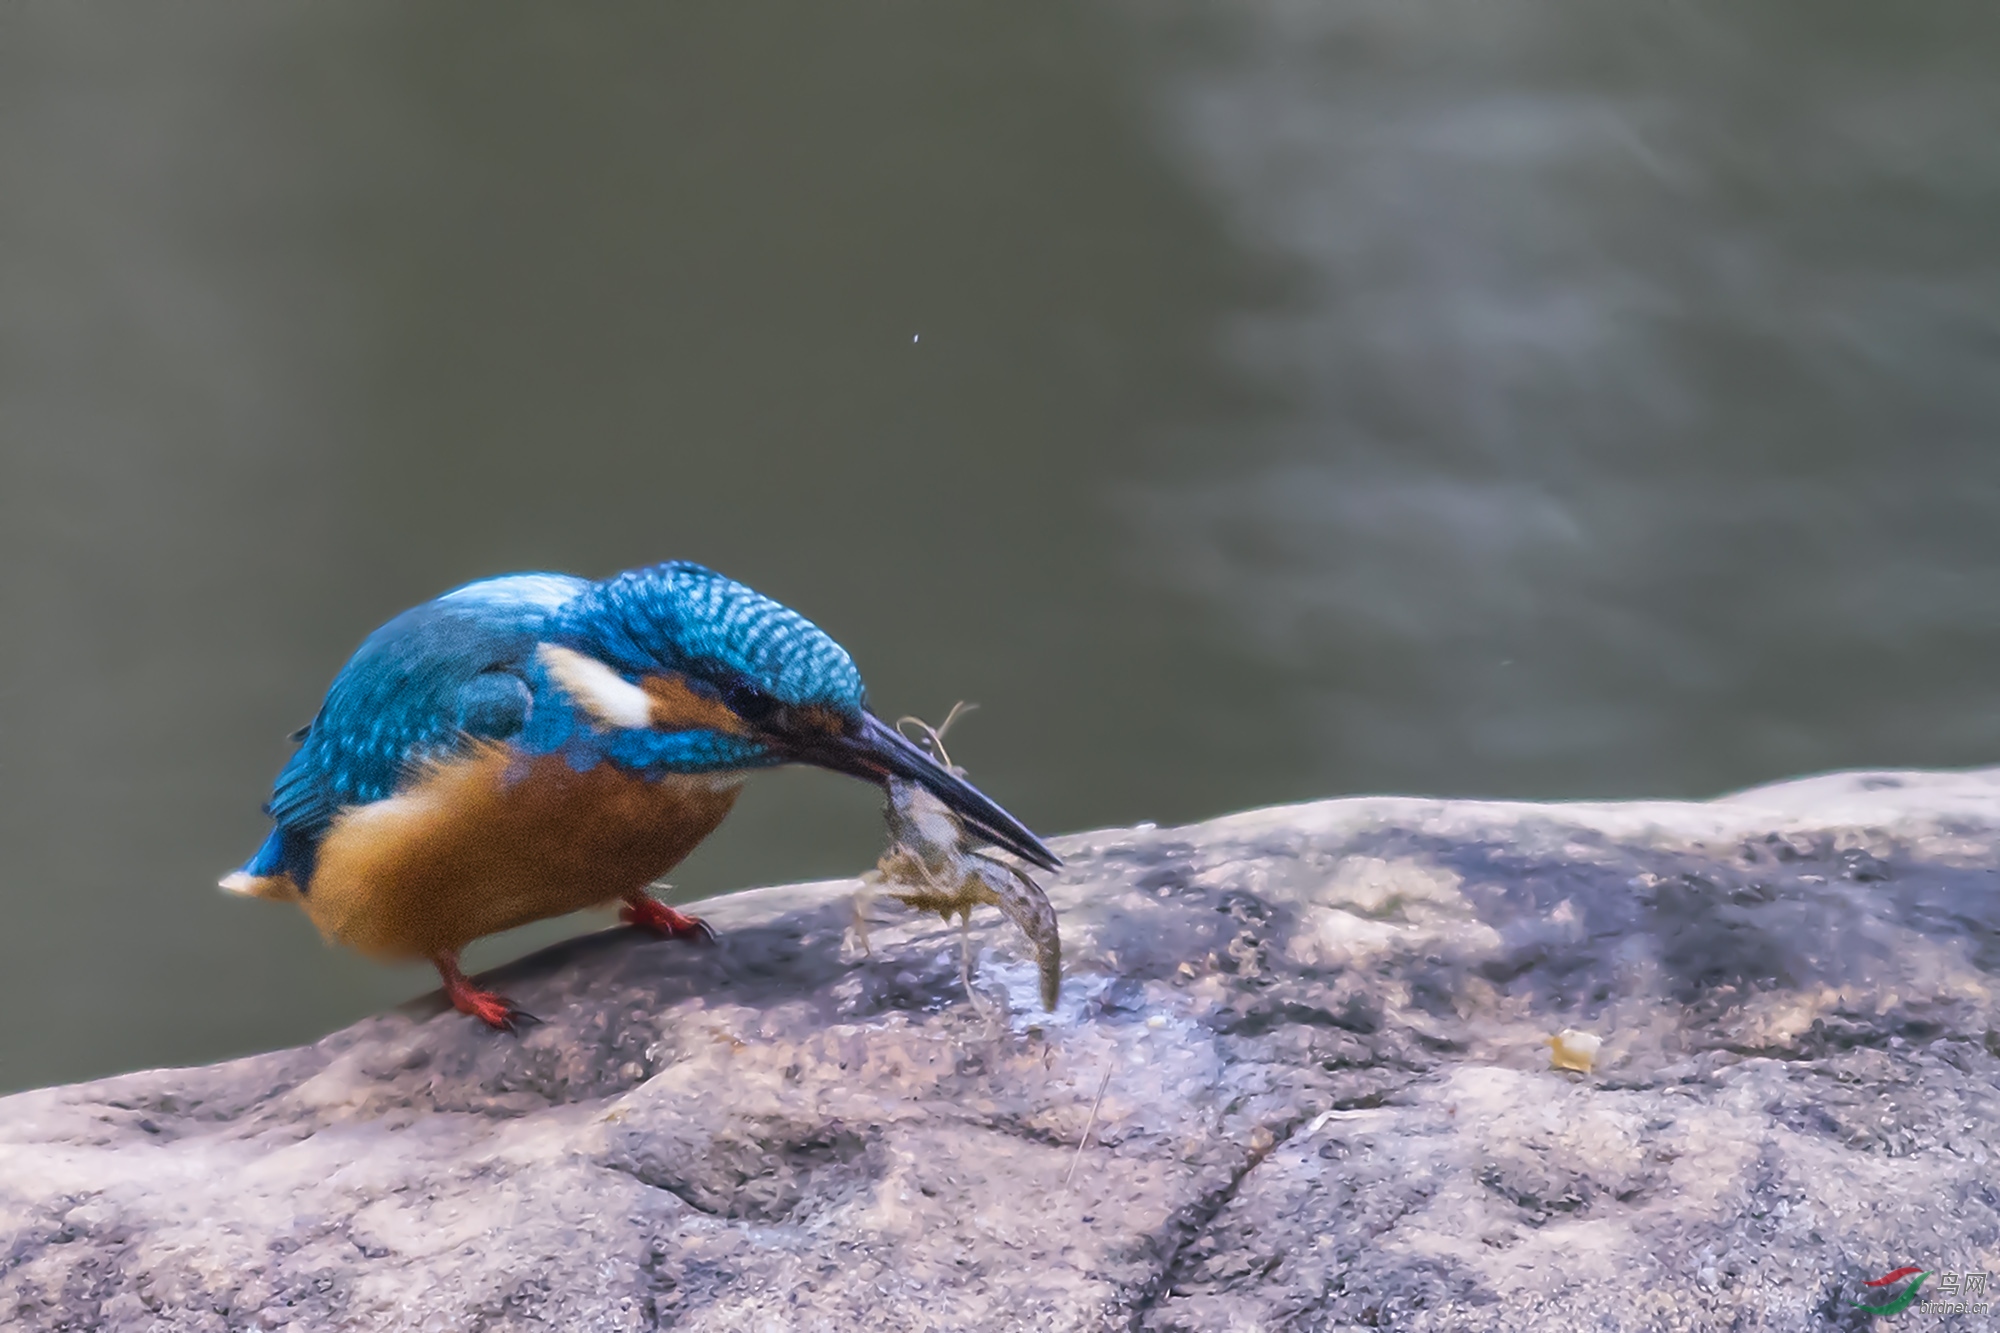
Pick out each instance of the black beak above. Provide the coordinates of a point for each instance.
(876, 752)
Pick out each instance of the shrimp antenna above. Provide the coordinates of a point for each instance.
(935, 735)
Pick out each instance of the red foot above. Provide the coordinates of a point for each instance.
(651, 914)
(494, 1010)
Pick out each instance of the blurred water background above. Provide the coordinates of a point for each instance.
(1244, 402)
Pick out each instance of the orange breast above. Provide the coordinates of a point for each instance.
(470, 849)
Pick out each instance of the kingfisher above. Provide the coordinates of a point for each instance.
(532, 744)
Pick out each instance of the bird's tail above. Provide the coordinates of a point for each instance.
(264, 875)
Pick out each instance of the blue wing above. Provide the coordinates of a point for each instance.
(424, 686)
(463, 667)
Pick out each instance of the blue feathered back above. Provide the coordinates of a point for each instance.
(463, 668)
(418, 688)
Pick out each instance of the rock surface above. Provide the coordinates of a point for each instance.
(1320, 1034)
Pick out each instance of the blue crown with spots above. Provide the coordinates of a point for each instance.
(687, 618)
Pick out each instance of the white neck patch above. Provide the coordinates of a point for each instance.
(609, 698)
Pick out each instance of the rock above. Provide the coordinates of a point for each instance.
(1322, 1039)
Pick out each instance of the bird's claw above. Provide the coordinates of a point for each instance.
(494, 1010)
(651, 914)
(518, 1021)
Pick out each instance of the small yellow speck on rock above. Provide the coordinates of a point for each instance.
(1571, 1049)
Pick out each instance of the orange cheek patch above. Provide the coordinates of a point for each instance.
(677, 707)
(815, 717)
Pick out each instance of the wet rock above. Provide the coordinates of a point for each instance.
(1322, 1038)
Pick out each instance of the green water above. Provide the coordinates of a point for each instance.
(1243, 403)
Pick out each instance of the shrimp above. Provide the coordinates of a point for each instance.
(931, 867)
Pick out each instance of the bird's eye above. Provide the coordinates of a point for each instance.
(748, 702)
